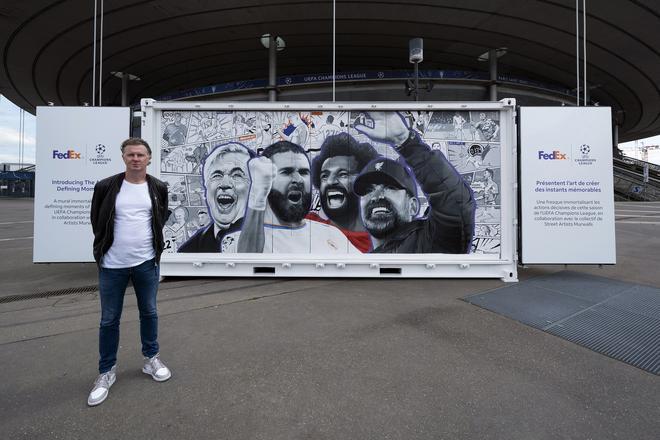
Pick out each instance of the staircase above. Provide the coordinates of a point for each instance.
(629, 181)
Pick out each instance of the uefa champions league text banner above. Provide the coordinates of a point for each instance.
(76, 147)
(566, 184)
(293, 187)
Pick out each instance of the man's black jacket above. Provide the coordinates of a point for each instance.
(103, 213)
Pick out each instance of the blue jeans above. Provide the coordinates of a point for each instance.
(112, 287)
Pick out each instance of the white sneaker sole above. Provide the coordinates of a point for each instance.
(156, 378)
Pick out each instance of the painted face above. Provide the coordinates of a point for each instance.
(385, 208)
(227, 186)
(336, 182)
(290, 195)
(482, 116)
(180, 215)
(203, 218)
(136, 157)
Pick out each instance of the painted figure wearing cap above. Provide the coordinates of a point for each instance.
(389, 198)
(388, 194)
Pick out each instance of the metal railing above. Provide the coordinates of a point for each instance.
(631, 186)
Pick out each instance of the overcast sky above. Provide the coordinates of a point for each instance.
(10, 124)
(9, 133)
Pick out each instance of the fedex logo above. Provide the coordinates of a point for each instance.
(555, 155)
(69, 154)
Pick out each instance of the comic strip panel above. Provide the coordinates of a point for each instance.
(210, 126)
(487, 239)
(473, 156)
(449, 125)
(486, 188)
(485, 126)
(177, 190)
(174, 128)
(180, 226)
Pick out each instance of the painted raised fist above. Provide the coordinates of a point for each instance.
(262, 173)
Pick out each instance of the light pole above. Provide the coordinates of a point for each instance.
(416, 56)
(491, 56)
(125, 78)
(273, 44)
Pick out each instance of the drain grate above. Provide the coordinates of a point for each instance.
(49, 294)
(618, 319)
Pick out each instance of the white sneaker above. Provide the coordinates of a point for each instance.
(156, 368)
(102, 385)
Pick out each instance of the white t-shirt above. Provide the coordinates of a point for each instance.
(133, 237)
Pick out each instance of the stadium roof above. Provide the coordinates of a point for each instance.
(174, 45)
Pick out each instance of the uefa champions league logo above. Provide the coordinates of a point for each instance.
(582, 155)
(100, 158)
(585, 150)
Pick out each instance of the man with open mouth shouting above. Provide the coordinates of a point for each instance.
(388, 194)
(280, 198)
(226, 181)
(334, 170)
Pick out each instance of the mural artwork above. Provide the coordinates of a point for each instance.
(332, 182)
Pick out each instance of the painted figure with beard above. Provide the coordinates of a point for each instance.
(226, 182)
(280, 198)
(334, 170)
(388, 194)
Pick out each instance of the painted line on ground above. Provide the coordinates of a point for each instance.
(15, 223)
(17, 238)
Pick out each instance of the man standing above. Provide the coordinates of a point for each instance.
(459, 122)
(330, 128)
(226, 181)
(280, 198)
(175, 132)
(388, 195)
(197, 156)
(491, 190)
(334, 170)
(128, 212)
(487, 128)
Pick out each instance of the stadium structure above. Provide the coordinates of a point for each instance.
(212, 50)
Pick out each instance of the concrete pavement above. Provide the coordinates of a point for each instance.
(316, 358)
